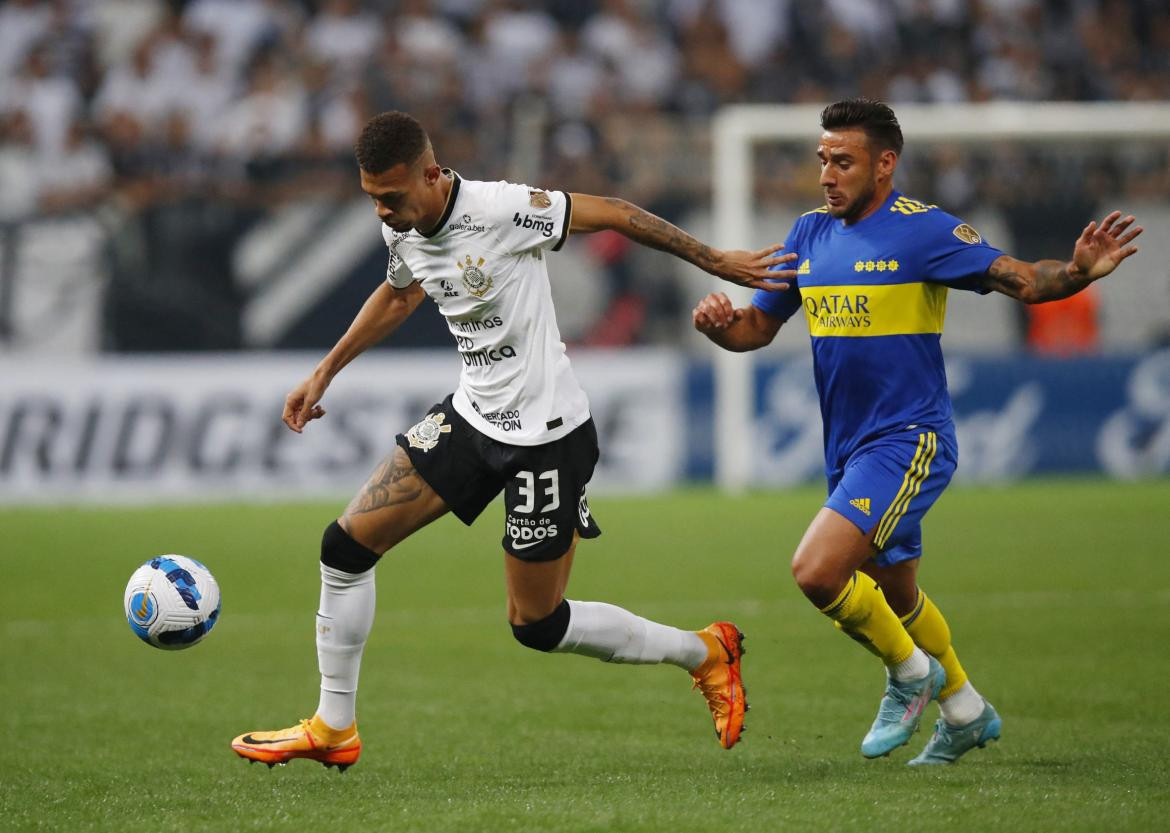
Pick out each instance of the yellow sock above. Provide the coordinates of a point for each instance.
(930, 632)
(864, 614)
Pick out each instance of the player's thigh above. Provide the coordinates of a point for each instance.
(535, 588)
(393, 503)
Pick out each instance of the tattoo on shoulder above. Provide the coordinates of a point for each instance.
(395, 481)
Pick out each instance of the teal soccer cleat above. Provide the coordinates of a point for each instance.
(948, 743)
(900, 711)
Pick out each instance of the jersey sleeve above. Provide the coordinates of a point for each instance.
(957, 254)
(783, 304)
(530, 218)
(398, 274)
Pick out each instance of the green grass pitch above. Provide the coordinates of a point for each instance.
(1058, 593)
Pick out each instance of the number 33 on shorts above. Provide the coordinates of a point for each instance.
(542, 514)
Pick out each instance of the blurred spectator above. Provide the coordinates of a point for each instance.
(120, 26)
(137, 90)
(427, 38)
(648, 74)
(78, 177)
(50, 101)
(517, 35)
(207, 93)
(18, 167)
(574, 78)
(270, 119)
(343, 35)
(22, 24)
(240, 27)
(755, 28)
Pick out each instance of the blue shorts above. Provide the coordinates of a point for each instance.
(889, 484)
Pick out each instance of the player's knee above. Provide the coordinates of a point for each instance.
(547, 633)
(342, 552)
(816, 579)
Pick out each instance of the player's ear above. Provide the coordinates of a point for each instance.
(431, 173)
(887, 162)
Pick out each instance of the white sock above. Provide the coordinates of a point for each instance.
(963, 706)
(914, 667)
(611, 634)
(343, 624)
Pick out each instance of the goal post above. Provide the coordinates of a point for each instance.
(737, 129)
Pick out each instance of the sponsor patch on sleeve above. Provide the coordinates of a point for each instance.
(967, 234)
(539, 199)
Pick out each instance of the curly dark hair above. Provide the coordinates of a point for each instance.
(874, 117)
(390, 139)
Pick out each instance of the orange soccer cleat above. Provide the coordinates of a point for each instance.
(310, 739)
(720, 680)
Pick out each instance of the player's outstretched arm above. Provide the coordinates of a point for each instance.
(380, 315)
(1098, 251)
(754, 269)
(738, 330)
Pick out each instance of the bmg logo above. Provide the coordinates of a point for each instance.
(541, 224)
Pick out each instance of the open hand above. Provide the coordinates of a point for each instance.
(1100, 249)
(755, 269)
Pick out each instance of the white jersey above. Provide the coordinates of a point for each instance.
(484, 266)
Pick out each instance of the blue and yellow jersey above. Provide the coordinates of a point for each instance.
(875, 295)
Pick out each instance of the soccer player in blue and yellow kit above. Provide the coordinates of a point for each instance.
(874, 270)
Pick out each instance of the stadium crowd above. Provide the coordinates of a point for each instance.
(256, 101)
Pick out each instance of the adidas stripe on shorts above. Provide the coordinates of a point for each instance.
(887, 486)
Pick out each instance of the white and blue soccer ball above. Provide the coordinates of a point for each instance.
(172, 602)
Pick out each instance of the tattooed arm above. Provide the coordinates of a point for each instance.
(1098, 251)
(752, 269)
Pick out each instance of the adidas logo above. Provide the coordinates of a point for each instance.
(805, 268)
(861, 503)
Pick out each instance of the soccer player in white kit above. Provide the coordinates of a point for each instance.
(518, 423)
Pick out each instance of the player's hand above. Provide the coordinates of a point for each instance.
(1100, 249)
(755, 269)
(714, 313)
(301, 406)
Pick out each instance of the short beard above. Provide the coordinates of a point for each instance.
(852, 212)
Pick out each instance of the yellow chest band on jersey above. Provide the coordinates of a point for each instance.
(875, 310)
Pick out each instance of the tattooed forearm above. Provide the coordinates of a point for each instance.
(1034, 283)
(645, 228)
(395, 481)
(1053, 281)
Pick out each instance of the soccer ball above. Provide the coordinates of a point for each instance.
(172, 602)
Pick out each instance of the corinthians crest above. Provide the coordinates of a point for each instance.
(477, 281)
(425, 434)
